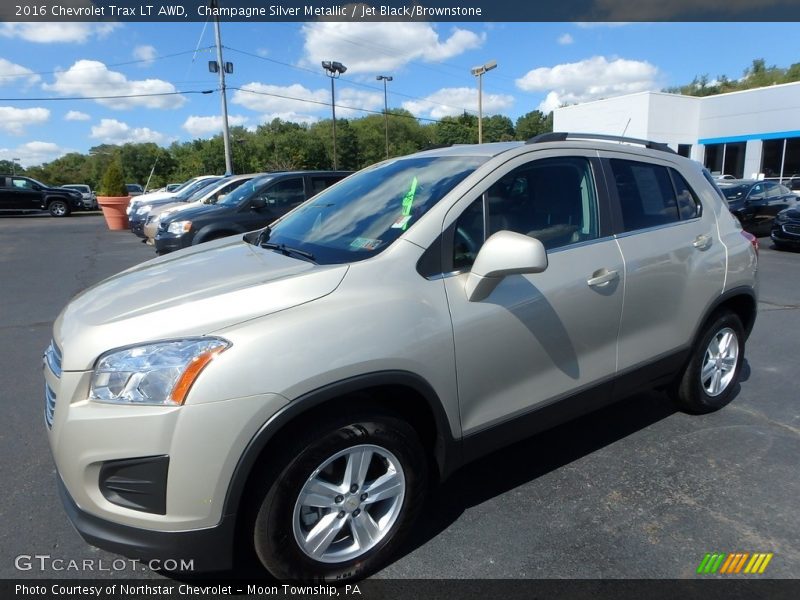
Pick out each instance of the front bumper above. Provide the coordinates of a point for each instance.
(209, 549)
(136, 225)
(786, 233)
(166, 242)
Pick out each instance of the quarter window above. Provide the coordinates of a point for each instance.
(646, 196)
(688, 204)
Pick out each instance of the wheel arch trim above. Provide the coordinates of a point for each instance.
(447, 450)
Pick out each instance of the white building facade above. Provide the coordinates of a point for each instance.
(749, 134)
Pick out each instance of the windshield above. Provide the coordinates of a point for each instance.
(365, 213)
(244, 191)
(197, 186)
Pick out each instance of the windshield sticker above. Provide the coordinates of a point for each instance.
(401, 222)
(408, 202)
(365, 243)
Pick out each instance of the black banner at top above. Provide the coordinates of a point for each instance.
(401, 10)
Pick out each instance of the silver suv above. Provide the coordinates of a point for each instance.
(296, 391)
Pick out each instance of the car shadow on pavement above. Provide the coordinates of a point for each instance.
(504, 470)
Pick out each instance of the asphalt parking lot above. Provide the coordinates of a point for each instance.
(636, 490)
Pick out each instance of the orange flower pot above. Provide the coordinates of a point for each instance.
(114, 211)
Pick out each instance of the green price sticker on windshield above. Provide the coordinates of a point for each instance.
(408, 202)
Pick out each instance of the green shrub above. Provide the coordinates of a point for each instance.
(113, 183)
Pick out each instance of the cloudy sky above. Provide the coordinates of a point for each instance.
(277, 71)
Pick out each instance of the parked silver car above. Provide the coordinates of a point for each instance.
(295, 391)
(89, 198)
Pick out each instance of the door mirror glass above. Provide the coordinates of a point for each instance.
(258, 203)
(504, 253)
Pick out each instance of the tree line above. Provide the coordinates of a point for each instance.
(757, 75)
(282, 145)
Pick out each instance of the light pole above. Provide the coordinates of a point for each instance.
(333, 70)
(478, 72)
(385, 79)
(221, 67)
(14, 165)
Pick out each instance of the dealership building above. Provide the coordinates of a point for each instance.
(749, 134)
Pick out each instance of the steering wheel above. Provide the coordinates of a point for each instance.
(464, 245)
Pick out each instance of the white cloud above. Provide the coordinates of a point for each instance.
(11, 73)
(589, 79)
(146, 54)
(209, 126)
(452, 101)
(111, 131)
(51, 33)
(15, 120)
(35, 153)
(375, 47)
(76, 115)
(299, 104)
(92, 78)
(565, 39)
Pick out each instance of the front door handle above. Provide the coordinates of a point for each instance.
(602, 277)
(701, 242)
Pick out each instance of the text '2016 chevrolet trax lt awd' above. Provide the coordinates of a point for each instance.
(295, 391)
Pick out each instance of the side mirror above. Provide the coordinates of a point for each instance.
(504, 253)
(258, 203)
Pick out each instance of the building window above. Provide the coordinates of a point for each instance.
(781, 158)
(726, 159)
(685, 150)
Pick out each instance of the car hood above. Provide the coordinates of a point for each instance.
(197, 211)
(792, 213)
(192, 292)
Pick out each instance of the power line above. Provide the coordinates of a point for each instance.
(105, 66)
(321, 103)
(350, 83)
(119, 96)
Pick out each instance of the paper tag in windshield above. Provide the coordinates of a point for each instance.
(401, 222)
(365, 243)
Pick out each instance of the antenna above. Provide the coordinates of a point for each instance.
(626, 128)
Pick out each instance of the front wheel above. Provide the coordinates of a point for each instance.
(58, 208)
(344, 500)
(710, 379)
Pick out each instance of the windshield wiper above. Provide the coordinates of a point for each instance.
(287, 251)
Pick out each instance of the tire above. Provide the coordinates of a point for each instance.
(58, 208)
(362, 534)
(711, 377)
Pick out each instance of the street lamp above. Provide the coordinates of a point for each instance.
(478, 72)
(14, 162)
(385, 79)
(333, 70)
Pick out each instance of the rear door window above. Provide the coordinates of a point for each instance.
(646, 196)
(689, 205)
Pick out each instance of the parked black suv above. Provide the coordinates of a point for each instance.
(20, 193)
(251, 206)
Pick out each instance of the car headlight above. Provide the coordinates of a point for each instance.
(179, 227)
(144, 210)
(161, 373)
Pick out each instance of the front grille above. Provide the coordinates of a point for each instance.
(791, 228)
(53, 357)
(49, 405)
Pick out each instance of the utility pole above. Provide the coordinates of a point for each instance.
(222, 67)
(385, 78)
(479, 73)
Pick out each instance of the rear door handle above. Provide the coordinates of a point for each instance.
(602, 277)
(701, 242)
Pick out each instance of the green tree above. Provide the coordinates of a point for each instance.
(113, 183)
(533, 123)
(497, 128)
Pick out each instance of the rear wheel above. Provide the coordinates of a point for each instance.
(710, 379)
(58, 208)
(341, 500)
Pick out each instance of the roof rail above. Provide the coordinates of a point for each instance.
(560, 136)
